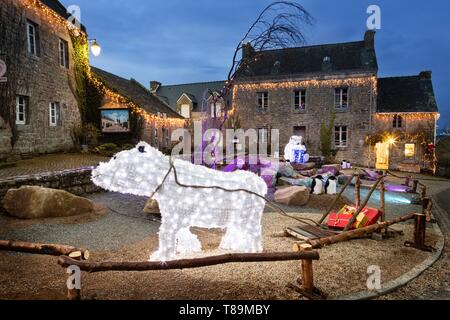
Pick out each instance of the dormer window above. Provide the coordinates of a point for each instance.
(218, 112)
(185, 111)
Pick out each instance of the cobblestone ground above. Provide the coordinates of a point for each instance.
(48, 163)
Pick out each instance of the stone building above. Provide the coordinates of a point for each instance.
(158, 119)
(44, 98)
(187, 99)
(39, 106)
(404, 128)
(297, 90)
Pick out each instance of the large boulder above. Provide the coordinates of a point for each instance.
(286, 170)
(309, 173)
(292, 196)
(31, 202)
(331, 168)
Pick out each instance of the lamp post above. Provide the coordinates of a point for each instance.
(95, 47)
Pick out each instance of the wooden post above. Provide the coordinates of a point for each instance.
(415, 185)
(427, 205)
(420, 227)
(358, 192)
(424, 192)
(307, 271)
(383, 201)
(407, 181)
(383, 205)
(419, 230)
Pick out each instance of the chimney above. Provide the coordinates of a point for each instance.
(369, 39)
(247, 50)
(425, 75)
(154, 86)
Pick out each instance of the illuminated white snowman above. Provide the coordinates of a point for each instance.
(295, 151)
(141, 170)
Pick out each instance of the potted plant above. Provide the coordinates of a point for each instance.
(85, 135)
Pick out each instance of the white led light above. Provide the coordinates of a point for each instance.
(141, 170)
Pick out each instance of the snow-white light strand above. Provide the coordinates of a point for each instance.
(142, 170)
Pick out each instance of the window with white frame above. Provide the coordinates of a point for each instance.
(21, 109)
(33, 38)
(263, 135)
(63, 53)
(218, 110)
(263, 101)
(398, 122)
(185, 111)
(299, 100)
(341, 98)
(340, 136)
(54, 114)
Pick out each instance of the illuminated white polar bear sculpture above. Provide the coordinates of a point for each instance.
(295, 151)
(141, 170)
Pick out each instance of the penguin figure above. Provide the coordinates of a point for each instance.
(331, 185)
(317, 185)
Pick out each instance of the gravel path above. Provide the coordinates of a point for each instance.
(123, 232)
(125, 224)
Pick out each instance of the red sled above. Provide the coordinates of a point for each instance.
(367, 217)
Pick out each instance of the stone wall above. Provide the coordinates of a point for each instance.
(319, 105)
(5, 140)
(43, 80)
(76, 181)
(148, 135)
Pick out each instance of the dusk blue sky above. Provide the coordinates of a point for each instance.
(178, 41)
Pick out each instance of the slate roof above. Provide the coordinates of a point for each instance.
(136, 92)
(172, 93)
(59, 8)
(406, 94)
(344, 57)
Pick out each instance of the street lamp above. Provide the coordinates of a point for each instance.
(95, 47)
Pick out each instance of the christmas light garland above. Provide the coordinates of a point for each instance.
(38, 7)
(417, 116)
(316, 83)
(55, 19)
(135, 109)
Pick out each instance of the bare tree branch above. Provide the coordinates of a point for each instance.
(279, 25)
